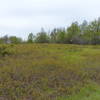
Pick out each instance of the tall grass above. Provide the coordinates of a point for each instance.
(49, 72)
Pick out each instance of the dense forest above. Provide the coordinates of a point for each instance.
(85, 33)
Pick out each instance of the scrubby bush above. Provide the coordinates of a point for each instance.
(5, 50)
(47, 71)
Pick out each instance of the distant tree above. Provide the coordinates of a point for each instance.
(4, 39)
(85, 33)
(61, 35)
(30, 38)
(42, 37)
(15, 40)
(83, 26)
(92, 35)
(73, 33)
(53, 35)
(58, 35)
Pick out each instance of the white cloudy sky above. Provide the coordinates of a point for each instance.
(19, 17)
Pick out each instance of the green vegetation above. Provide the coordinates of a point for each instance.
(90, 92)
(84, 33)
(49, 72)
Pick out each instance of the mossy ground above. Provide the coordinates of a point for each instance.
(49, 72)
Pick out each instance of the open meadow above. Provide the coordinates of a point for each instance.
(49, 72)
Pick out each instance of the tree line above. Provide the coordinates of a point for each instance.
(85, 33)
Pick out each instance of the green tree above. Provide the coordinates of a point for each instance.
(92, 35)
(73, 33)
(61, 35)
(58, 35)
(53, 35)
(30, 38)
(42, 37)
(4, 39)
(15, 40)
(83, 26)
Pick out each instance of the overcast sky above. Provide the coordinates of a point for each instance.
(20, 17)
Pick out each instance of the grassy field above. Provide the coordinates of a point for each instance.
(49, 72)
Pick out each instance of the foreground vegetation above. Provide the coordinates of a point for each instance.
(49, 72)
